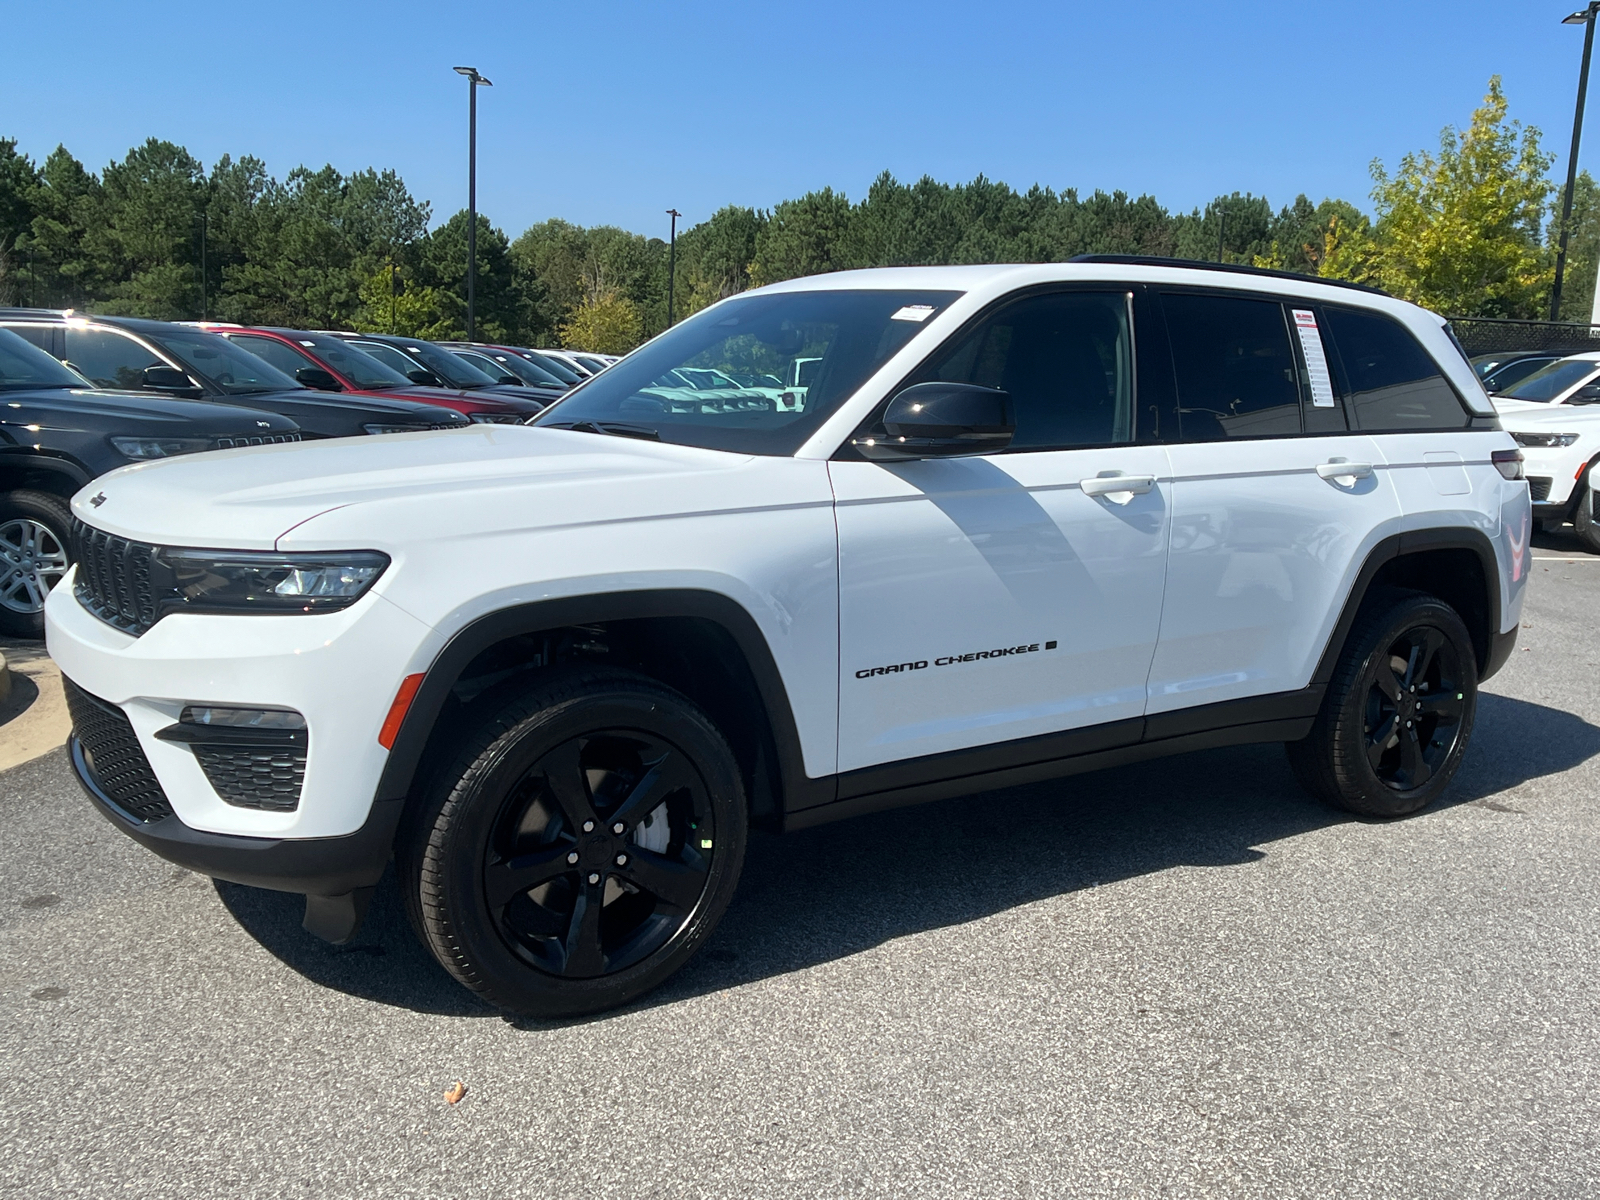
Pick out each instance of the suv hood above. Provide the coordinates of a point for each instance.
(134, 413)
(1521, 415)
(481, 477)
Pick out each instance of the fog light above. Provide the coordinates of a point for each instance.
(242, 718)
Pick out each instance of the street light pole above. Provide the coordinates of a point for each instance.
(1586, 19)
(672, 260)
(474, 81)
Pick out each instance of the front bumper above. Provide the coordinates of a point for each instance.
(333, 866)
(339, 670)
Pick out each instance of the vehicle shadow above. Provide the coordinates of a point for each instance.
(836, 890)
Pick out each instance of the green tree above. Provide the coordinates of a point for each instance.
(18, 183)
(1460, 232)
(608, 324)
(1583, 248)
(417, 311)
(500, 299)
(804, 237)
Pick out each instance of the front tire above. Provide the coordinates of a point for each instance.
(1585, 524)
(1398, 714)
(34, 556)
(582, 846)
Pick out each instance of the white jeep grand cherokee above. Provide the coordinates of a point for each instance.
(1026, 521)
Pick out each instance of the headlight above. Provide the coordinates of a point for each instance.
(1544, 440)
(142, 448)
(245, 581)
(496, 418)
(394, 428)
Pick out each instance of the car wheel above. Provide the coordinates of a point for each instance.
(1398, 714)
(582, 846)
(34, 556)
(1585, 523)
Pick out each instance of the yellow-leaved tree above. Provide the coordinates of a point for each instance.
(1458, 232)
(608, 323)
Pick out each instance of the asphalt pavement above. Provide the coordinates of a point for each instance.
(1180, 979)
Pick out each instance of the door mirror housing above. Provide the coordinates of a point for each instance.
(942, 420)
(167, 379)
(423, 376)
(316, 377)
(1589, 393)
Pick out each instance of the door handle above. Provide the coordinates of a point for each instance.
(1338, 468)
(1119, 489)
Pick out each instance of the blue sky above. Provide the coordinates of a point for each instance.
(611, 112)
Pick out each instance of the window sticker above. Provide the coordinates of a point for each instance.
(1305, 323)
(913, 312)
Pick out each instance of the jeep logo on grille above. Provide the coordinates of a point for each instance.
(97, 500)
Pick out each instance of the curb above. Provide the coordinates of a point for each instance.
(5, 681)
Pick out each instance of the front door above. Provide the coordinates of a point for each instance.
(1012, 595)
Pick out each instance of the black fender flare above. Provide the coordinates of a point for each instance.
(1397, 546)
(29, 460)
(472, 639)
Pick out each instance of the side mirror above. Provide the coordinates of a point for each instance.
(1589, 393)
(423, 376)
(167, 379)
(942, 420)
(316, 377)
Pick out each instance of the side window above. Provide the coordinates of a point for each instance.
(42, 336)
(1391, 382)
(285, 358)
(110, 359)
(1066, 359)
(1235, 368)
(388, 356)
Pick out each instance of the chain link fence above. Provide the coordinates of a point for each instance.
(1485, 335)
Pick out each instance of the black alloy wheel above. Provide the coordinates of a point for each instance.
(601, 853)
(1414, 708)
(582, 846)
(1397, 716)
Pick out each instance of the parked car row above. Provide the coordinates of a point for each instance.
(81, 395)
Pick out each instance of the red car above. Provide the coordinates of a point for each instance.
(324, 362)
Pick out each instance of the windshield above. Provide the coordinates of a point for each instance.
(849, 334)
(447, 366)
(554, 365)
(231, 368)
(24, 365)
(513, 364)
(358, 367)
(1553, 380)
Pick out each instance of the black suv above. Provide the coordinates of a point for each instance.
(175, 360)
(56, 434)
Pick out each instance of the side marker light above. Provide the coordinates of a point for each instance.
(397, 710)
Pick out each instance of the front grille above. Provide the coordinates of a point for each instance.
(114, 578)
(255, 776)
(271, 439)
(1539, 487)
(113, 755)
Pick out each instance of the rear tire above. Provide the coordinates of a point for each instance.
(1585, 524)
(34, 555)
(1398, 713)
(515, 875)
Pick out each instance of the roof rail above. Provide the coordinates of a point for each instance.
(1148, 260)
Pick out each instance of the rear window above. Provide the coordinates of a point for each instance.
(1390, 382)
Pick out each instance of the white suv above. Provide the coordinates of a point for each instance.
(1031, 521)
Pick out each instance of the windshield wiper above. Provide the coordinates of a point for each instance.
(615, 428)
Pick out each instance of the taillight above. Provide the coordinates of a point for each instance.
(1508, 463)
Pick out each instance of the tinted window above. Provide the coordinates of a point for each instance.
(1549, 382)
(1501, 378)
(26, 366)
(389, 357)
(1234, 366)
(111, 360)
(230, 369)
(359, 368)
(557, 368)
(849, 334)
(1067, 362)
(1390, 381)
(283, 357)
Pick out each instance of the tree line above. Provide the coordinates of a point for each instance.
(1467, 230)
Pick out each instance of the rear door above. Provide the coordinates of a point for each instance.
(1014, 595)
(1274, 499)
